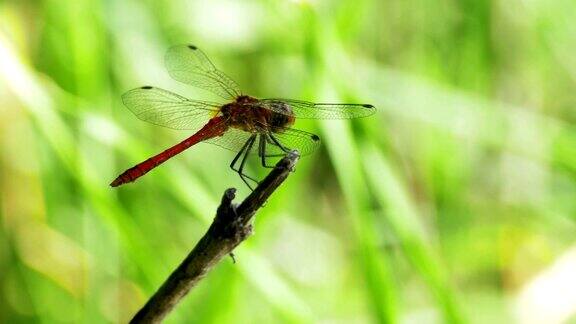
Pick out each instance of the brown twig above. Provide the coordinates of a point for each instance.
(230, 227)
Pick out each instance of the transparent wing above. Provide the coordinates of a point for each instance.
(291, 139)
(310, 110)
(234, 139)
(164, 108)
(188, 64)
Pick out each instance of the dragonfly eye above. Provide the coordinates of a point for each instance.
(282, 114)
(282, 108)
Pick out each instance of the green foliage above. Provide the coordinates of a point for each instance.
(449, 205)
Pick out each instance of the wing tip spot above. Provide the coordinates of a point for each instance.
(192, 47)
(146, 87)
(368, 106)
(315, 137)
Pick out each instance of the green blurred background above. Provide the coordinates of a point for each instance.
(455, 203)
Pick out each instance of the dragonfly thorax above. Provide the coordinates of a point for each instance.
(253, 115)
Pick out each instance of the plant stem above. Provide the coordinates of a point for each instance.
(230, 227)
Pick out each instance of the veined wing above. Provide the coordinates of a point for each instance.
(290, 139)
(233, 139)
(164, 108)
(309, 110)
(275, 142)
(188, 64)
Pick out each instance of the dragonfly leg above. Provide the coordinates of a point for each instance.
(244, 152)
(244, 158)
(239, 154)
(262, 151)
(273, 141)
(277, 143)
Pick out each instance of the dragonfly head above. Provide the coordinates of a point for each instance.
(282, 114)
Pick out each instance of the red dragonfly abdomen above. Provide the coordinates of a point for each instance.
(214, 127)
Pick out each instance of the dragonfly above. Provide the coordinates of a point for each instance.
(245, 124)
